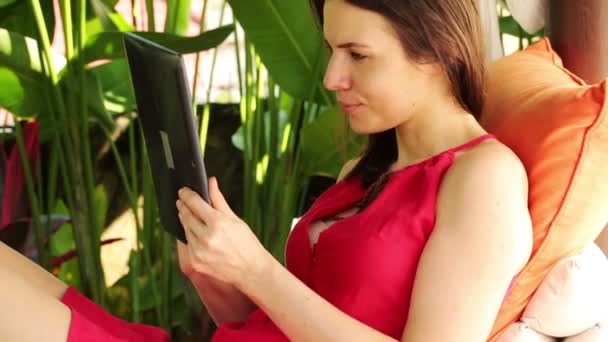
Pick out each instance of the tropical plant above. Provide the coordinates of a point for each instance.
(291, 132)
(75, 96)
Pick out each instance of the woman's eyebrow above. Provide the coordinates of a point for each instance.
(347, 45)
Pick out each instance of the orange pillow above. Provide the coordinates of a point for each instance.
(557, 126)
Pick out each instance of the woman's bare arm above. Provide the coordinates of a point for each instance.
(481, 240)
(224, 302)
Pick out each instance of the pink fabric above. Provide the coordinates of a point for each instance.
(364, 264)
(90, 323)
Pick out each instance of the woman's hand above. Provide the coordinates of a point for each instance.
(220, 244)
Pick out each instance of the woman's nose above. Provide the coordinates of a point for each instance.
(337, 76)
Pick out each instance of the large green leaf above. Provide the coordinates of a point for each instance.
(21, 96)
(18, 17)
(94, 99)
(20, 54)
(23, 82)
(116, 86)
(287, 39)
(21, 78)
(327, 143)
(108, 45)
(178, 17)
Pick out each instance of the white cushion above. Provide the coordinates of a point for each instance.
(573, 297)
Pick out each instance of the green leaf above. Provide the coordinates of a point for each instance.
(145, 280)
(63, 242)
(178, 17)
(147, 294)
(21, 96)
(287, 39)
(508, 25)
(20, 53)
(18, 17)
(327, 143)
(24, 84)
(238, 139)
(104, 18)
(108, 45)
(94, 98)
(101, 200)
(6, 2)
(26, 98)
(95, 101)
(116, 86)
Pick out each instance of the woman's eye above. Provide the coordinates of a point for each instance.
(357, 56)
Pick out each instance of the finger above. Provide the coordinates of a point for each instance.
(194, 246)
(193, 242)
(192, 224)
(217, 198)
(191, 249)
(197, 205)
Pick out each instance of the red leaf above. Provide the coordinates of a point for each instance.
(58, 260)
(13, 201)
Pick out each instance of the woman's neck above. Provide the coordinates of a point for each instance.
(432, 132)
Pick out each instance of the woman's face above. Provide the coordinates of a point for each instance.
(376, 84)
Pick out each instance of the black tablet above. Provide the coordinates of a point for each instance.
(164, 108)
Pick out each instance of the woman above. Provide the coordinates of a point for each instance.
(418, 240)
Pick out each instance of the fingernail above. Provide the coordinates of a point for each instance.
(178, 204)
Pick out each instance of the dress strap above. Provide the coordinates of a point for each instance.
(473, 142)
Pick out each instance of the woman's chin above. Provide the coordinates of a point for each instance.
(363, 129)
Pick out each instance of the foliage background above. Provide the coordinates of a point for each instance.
(75, 180)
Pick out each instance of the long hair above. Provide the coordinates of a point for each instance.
(445, 32)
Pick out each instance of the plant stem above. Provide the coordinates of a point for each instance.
(198, 55)
(70, 166)
(206, 111)
(150, 12)
(149, 226)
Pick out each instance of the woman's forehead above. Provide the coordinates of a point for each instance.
(343, 21)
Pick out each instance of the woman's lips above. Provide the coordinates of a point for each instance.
(349, 108)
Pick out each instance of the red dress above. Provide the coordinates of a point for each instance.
(90, 323)
(364, 264)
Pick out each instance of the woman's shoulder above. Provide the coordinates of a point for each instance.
(490, 169)
(485, 194)
(490, 160)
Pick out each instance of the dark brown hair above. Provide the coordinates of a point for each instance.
(445, 32)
